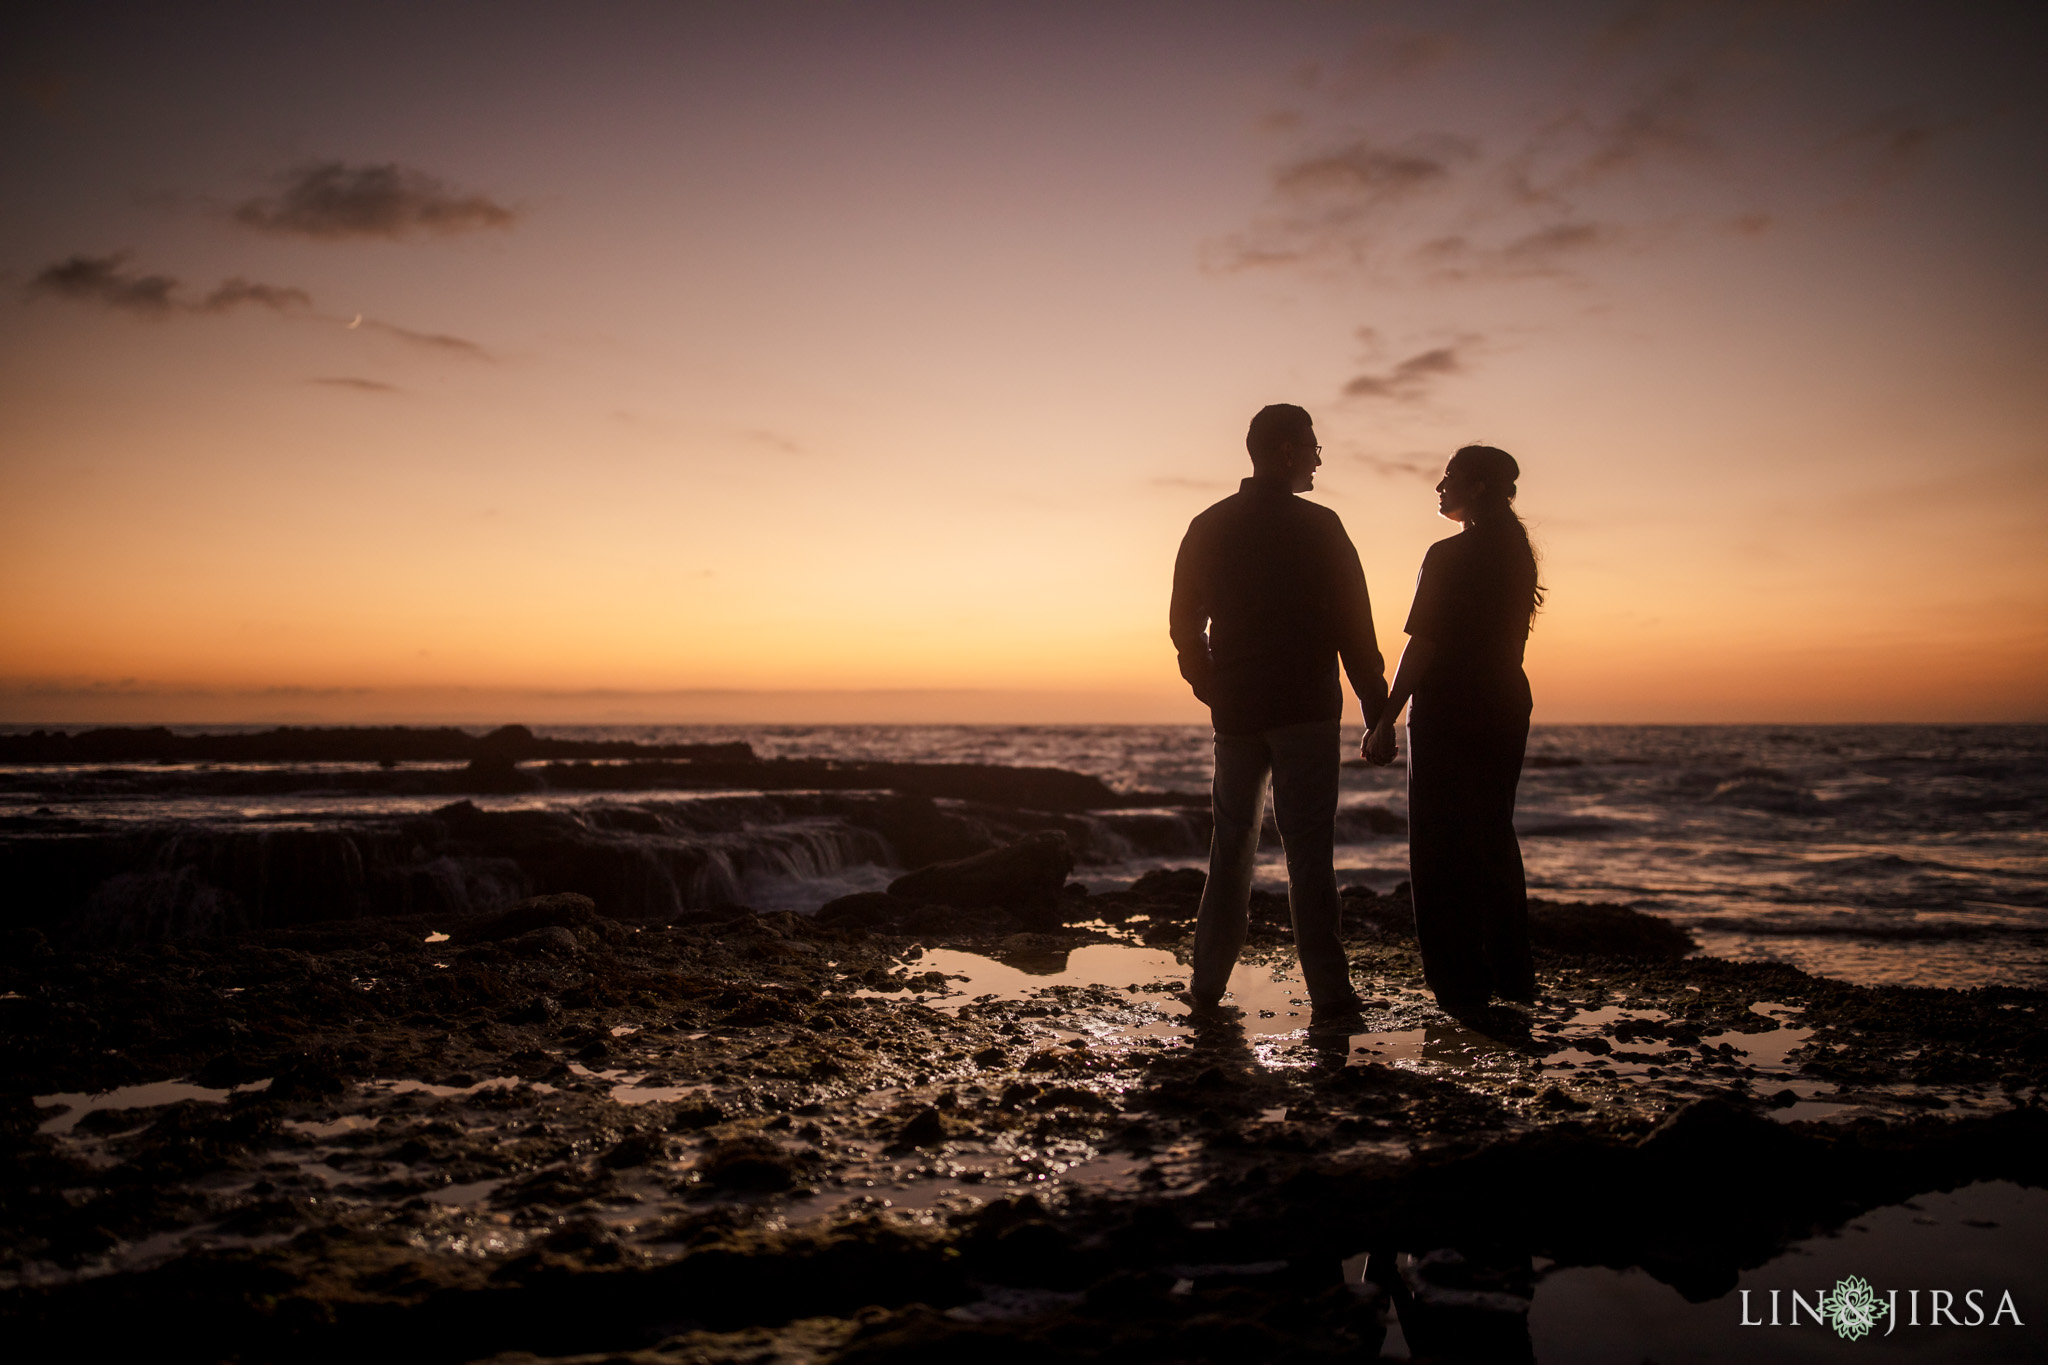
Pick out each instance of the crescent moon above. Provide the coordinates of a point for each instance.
(357, 323)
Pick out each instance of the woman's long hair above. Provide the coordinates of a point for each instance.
(1498, 471)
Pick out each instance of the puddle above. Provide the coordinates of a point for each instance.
(1272, 998)
(152, 1096)
(1440, 1049)
(442, 1092)
(631, 1092)
(1767, 1054)
(877, 1194)
(1991, 1236)
(1117, 965)
(1598, 1047)
(471, 1192)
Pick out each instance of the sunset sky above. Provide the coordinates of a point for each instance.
(867, 360)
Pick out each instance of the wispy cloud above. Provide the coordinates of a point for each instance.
(1364, 172)
(108, 280)
(433, 341)
(347, 381)
(1412, 379)
(333, 200)
(1548, 251)
(234, 292)
(1337, 202)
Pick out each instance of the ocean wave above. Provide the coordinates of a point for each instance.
(1856, 926)
(1567, 827)
(1765, 794)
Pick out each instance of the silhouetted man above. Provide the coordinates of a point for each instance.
(1268, 595)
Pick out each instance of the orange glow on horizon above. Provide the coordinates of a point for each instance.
(890, 395)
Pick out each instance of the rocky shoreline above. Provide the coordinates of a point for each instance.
(964, 1114)
(741, 1137)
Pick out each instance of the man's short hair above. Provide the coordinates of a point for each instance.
(1272, 424)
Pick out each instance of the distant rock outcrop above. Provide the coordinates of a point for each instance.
(337, 744)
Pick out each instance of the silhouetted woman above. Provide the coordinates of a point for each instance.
(1475, 600)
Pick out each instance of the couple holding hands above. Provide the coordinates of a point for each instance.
(1268, 598)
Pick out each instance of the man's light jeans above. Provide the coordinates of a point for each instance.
(1302, 760)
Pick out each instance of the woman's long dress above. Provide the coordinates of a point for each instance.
(1467, 729)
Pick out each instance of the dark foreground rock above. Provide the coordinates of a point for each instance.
(728, 1136)
(1025, 877)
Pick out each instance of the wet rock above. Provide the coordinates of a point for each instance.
(1557, 1100)
(750, 1164)
(864, 910)
(539, 1010)
(309, 1076)
(566, 910)
(581, 1234)
(1390, 916)
(1723, 1136)
(561, 1185)
(1594, 930)
(549, 941)
(636, 1149)
(1025, 878)
(1171, 883)
(690, 1117)
(927, 1129)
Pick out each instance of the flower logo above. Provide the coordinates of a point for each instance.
(1852, 1309)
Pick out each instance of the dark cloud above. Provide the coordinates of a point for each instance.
(235, 292)
(106, 279)
(1336, 200)
(360, 385)
(1547, 251)
(433, 341)
(1541, 249)
(332, 200)
(1412, 379)
(1362, 171)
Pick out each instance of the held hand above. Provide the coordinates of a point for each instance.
(1379, 745)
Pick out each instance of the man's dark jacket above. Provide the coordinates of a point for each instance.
(1278, 586)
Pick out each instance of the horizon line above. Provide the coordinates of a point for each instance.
(31, 705)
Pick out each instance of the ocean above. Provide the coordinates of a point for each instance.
(1903, 854)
